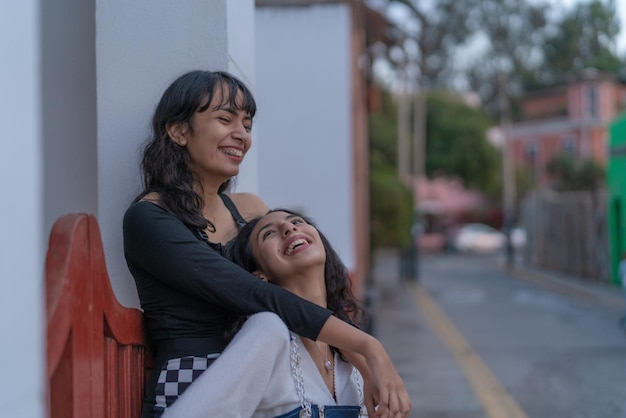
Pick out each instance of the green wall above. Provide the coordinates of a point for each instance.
(616, 181)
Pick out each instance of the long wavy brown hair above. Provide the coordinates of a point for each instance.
(339, 297)
(165, 164)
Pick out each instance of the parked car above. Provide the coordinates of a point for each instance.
(480, 238)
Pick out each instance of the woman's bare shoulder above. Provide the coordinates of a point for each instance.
(249, 205)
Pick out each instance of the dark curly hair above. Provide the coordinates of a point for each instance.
(165, 164)
(339, 297)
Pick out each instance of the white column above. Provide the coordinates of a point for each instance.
(23, 243)
(242, 63)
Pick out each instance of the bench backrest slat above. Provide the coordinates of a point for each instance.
(96, 357)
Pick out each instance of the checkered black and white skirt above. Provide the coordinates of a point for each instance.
(176, 376)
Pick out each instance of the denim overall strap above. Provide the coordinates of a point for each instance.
(325, 411)
(296, 372)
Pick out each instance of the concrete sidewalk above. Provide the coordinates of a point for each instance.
(430, 373)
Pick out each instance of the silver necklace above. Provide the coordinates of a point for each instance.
(328, 365)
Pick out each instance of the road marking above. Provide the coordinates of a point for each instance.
(496, 401)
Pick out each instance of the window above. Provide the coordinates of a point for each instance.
(592, 101)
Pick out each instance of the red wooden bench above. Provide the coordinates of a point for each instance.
(96, 355)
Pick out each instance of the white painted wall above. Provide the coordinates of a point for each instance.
(68, 57)
(22, 248)
(304, 118)
(242, 62)
(142, 46)
(79, 84)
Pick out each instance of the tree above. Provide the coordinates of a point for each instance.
(428, 34)
(513, 31)
(569, 173)
(457, 143)
(585, 37)
(383, 128)
(391, 203)
(391, 208)
(433, 33)
(528, 41)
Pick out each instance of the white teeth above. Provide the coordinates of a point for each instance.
(232, 151)
(295, 244)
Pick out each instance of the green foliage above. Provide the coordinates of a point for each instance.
(535, 43)
(524, 182)
(391, 208)
(569, 173)
(391, 204)
(457, 146)
(514, 31)
(583, 38)
(383, 128)
(431, 34)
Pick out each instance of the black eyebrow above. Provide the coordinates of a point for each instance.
(225, 109)
(269, 224)
(231, 110)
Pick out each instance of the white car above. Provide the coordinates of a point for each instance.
(480, 238)
(518, 237)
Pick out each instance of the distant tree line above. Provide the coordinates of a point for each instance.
(457, 147)
(534, 43)
(531, 44)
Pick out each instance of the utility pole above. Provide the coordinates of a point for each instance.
(410, 164)
(404, 120)
(417, 171)
(419, 133)
(508, 173)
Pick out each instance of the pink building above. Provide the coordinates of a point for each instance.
(571, 119)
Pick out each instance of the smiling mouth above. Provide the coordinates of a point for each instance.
(295, 245)
(232, 152)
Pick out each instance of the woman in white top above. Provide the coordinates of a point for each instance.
(266, 371)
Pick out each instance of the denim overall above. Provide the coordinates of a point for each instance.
(328, 411)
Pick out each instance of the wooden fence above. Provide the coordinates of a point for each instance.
(567, 232)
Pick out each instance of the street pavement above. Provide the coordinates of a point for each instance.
(444, 375)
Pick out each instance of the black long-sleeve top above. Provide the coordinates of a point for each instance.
(187, 289)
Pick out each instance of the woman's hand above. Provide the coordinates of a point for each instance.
(359, 362)
(384, 393)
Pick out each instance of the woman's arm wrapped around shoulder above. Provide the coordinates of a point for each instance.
(157, 243)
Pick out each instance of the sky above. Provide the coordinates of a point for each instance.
(621, 12)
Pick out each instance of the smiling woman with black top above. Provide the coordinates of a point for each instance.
(174, 237)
